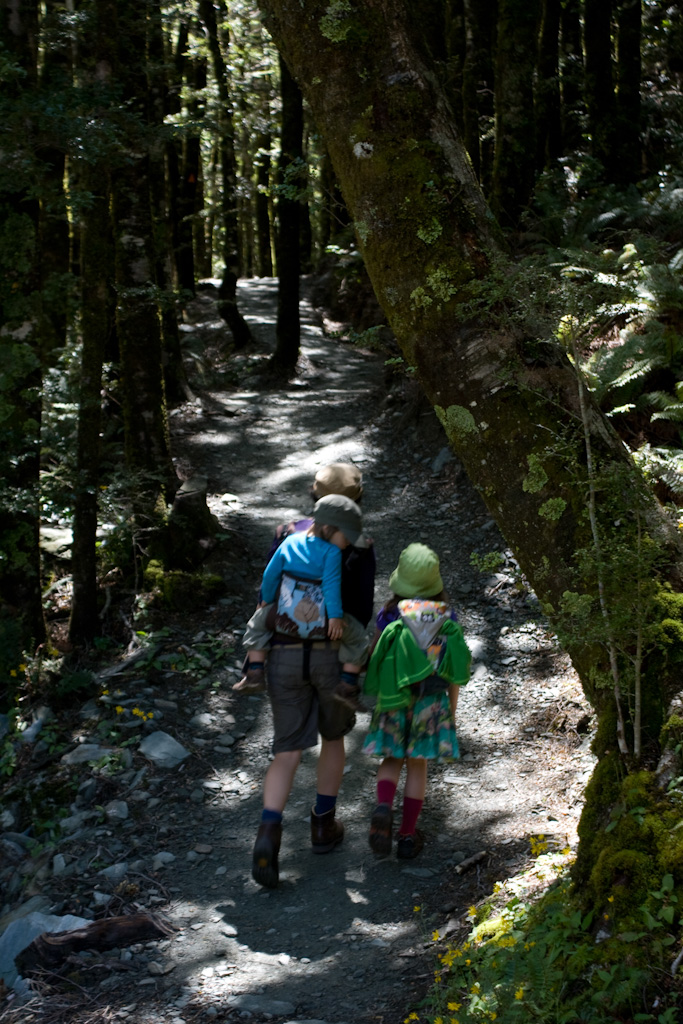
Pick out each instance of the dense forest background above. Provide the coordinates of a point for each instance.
(148, 147)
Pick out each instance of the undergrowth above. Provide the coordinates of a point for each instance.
(535, 954)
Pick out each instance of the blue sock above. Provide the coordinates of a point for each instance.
(349, 677)
(323, 803)
(274, 816)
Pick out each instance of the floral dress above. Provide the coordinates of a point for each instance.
(424, 728)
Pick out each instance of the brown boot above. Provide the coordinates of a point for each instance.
(264, 859)
(326, 833)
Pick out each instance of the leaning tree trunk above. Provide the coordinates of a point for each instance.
(287, 249)
(509, 401)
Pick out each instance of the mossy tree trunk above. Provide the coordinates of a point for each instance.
(22, 335)
(548, 121)
(508, 399)
(287, 248)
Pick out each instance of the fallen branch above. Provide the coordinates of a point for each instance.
(469, 862)
(51, 948)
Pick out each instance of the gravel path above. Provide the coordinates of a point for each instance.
(339, 940)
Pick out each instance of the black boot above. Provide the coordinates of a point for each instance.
(326, 833)
(266, 848)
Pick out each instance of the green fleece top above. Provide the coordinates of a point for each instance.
(397, 662)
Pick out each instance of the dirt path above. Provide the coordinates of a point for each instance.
(339, 940)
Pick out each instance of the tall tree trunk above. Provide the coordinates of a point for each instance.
(96, 251)
(599, 83)
(137, 316)
(228, 288)
(629, 20)
(478, 87)
(291, 154)
(514, 161)
(455, 40)
(189, 194)
(571, 74)
(176, 385)
(510, 403)
(22, 626)
(264, 253)
(548, 123)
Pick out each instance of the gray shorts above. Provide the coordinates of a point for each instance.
(304, 708)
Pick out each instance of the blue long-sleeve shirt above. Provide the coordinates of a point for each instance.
(358, 572)
(312, 558)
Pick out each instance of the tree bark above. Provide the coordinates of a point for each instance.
(629, 20)
(22, 626)
(548, 121)
(515, 154)
(571, 75)
(96, 252)
(478, 87)
(599, 84)
(287, 251)
(264, 253)
(228, 289)
(145, 423)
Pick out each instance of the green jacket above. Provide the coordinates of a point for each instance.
(397, 662)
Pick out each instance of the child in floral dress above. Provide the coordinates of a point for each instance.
(417, 666)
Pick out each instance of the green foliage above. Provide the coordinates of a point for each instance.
(491, 562)
(532, 957)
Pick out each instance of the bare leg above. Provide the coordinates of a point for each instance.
(331, 766)
(279, 778)
(255, 657)
(453, 694)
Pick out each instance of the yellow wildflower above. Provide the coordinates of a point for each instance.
(454, 1006)
(437, 978)
(610, 899)
(519, 994)
(467, 963)
(435, 936)
(119, 709)
(22, 667)
(13, 672)
(438, 1020)
(416, 909)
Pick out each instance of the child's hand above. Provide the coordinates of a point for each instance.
(335, 628)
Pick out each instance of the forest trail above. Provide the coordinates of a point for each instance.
(341, 939)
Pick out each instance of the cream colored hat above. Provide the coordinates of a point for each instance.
(338, 478)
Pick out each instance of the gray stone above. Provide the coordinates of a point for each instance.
(163, 750)
(261, 1004)
(445, 456)
(115, 872)
(7, 820)
(86, 752)
(202, 721)
(162, 859)
(116, 810)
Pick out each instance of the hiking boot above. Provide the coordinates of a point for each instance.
(380, 830)
(408, 847)
(253, 680)
(264, 858)
(326, 833)
(348, 695)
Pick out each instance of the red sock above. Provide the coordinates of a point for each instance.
(386, 791)
(411, 812)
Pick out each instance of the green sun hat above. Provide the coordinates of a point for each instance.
(417, 573)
